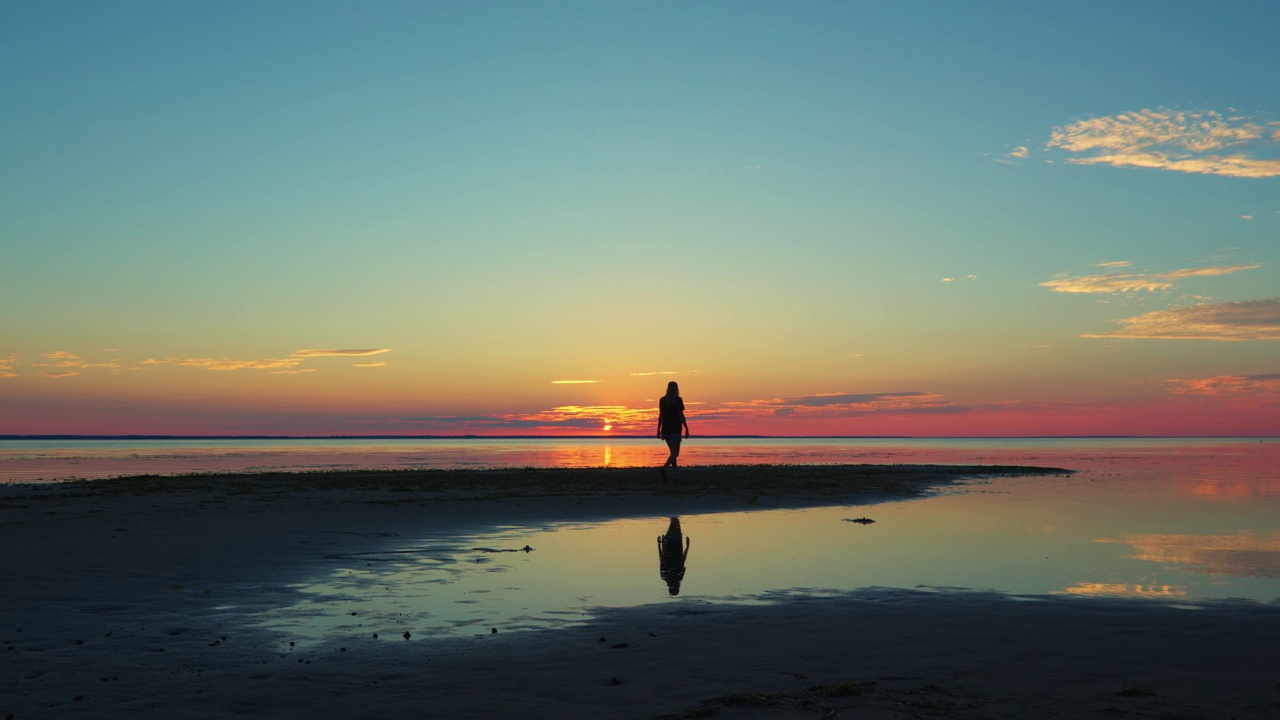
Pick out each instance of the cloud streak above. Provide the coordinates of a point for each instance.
(279, 366)
(338, 353)
(830, 405)
(1231, 321)
(1136, 282)
(663, 372)
(1202, 142)
(629, 420)
(225, 365)
(64, 359)
(1246, 387)
(565, 417)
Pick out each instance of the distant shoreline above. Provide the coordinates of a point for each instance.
(635, 437)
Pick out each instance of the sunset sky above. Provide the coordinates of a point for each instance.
(888, 218)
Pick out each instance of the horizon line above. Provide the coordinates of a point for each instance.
(140, 436)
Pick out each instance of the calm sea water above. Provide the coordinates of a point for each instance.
(51, 460)
(1183, 521)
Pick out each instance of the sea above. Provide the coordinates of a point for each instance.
(1189, 522)
(58, 459)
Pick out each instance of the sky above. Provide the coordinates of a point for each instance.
(512, 218)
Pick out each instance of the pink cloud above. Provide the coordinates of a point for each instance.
(1248, 387)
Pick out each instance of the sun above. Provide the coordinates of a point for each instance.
(608, 427)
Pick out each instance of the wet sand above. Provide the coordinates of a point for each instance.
(128, 598)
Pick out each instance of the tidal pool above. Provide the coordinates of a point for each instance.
(1184, 528)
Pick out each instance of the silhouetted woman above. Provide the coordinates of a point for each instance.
(672, 555)
(670, 420)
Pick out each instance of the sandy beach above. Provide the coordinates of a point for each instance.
(128, 598)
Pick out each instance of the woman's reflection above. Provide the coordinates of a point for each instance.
(671, 556)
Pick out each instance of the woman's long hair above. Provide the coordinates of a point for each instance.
(673, 389)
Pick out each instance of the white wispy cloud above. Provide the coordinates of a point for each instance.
(338, 353)
(6, 366)
(1019, 152)
(1200, 141)
(1136, 282)
(1231, 321)
(369, 364)
(1114, 264)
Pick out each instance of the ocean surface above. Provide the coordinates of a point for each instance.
(1188, 522)
(53, 460)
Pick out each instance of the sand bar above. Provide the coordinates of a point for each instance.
(127, 598)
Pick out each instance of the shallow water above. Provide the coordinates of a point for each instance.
(1183, 522)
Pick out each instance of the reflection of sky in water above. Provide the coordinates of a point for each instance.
(1124, 526)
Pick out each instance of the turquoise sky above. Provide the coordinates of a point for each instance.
(817, 217)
